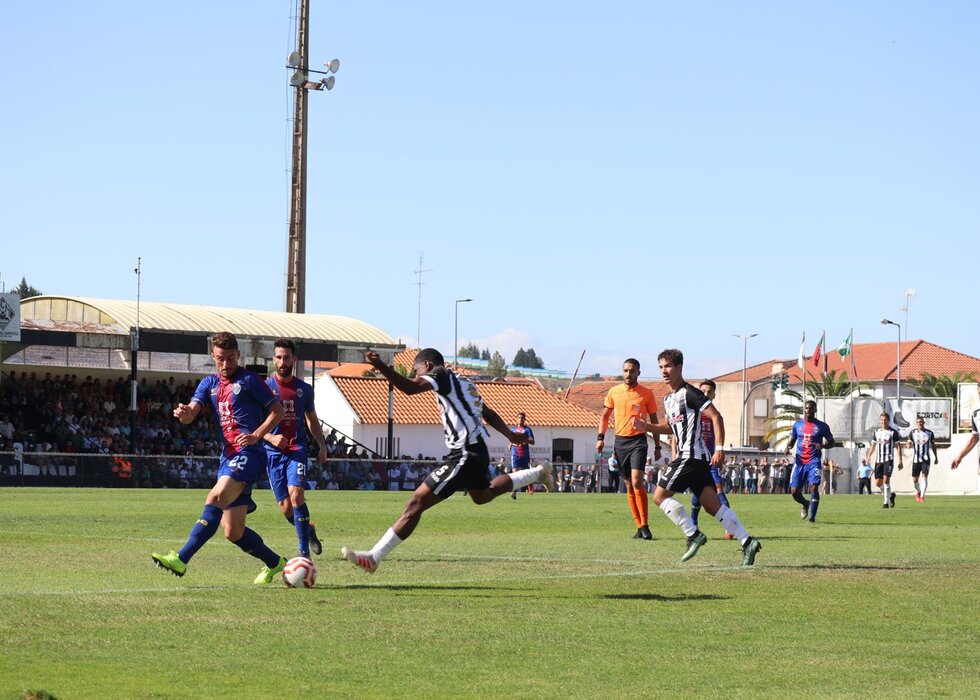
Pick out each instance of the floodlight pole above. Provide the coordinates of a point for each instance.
(296, 255)
(741, 426)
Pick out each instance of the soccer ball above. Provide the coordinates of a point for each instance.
(299, 572)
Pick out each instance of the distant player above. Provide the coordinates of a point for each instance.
(690, 468)
(810, 436)
(287, 448)
(467, 469)
(921, 441)
(974, 438)
(520, 455)
(882, 445)
(246, 410)
(623, 403)
(708, 435)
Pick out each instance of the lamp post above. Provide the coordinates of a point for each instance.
(456, 333)
(898, 358)
(741, 421)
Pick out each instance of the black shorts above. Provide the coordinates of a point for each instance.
(883, 469)
(685, 473)
(631, 452)
(920, 468)
(466, 469)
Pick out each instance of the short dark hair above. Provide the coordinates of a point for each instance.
(885, 414)
(224, 340)
(672, 355)
(708, 383)
(430, 355)
(810, 401)
(632, 361)
(285, 343)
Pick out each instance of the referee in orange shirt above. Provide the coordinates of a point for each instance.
(627, 400)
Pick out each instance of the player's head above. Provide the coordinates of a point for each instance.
(631, 371)
(284, 356)
(426, 360)
(224, 352)
(920, 422)
(521, 418)
(671, 364)
(810, 409)
(883, 419)
(708, 387)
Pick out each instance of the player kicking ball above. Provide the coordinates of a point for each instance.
(467, 469)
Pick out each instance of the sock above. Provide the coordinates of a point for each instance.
(726, 516)
(291, 518)
(388, 542)
(251, 543)
(524, 477)
(203, 530)
(814, 504)
(302, 522)
(798, 497)
(643, 505)
(632, 498)
(916, 485)
(723, 499)
(925, 483)
(886, 489)
(695, 509)
(675, 511)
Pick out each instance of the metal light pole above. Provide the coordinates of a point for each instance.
(741, 420)
(898, 357)
(456, 333)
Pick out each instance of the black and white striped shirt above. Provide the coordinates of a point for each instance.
(460, 406)
(922, 441)
(683, 410)
(884, 440)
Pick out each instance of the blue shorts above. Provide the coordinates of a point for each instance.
(517, 463)
(246, 466)
(716, 475)
(285, 470)
(803, 474)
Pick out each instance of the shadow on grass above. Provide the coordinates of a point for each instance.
(664, 598)
(810, 535)
(846, 567)
(412, 587)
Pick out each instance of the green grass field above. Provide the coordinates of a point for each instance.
(544, 597)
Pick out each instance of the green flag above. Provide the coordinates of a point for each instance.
(844, 349)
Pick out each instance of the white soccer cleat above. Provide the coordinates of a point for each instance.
(547, 476)
(361, 559)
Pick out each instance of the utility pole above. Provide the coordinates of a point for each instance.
(418, 326)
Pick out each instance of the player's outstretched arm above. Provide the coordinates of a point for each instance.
(966, 450)
(400, 382)
(494, 420)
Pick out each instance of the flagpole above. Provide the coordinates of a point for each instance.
(850, 389)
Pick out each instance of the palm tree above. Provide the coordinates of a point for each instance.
(943, 385)
(834, 383)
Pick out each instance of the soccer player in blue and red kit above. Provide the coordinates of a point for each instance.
(246, 410)
(286, 445)
(810, 436)
(520, 455)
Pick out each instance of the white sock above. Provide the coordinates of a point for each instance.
(388, 542)
(675, 511)
(886, 489)
(726, 516)
(925, 483)
(526, 477)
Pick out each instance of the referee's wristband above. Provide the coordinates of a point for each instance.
(602, 436)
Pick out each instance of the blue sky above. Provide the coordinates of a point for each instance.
(617, 177)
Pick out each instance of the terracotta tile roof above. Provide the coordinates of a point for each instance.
(590, 395)
(873, 362)
(368, 396)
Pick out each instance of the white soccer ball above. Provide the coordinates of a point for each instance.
(299, 572)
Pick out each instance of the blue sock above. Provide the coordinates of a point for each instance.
(814, 503)
(203, 530)
(251, 543)
(303, 529)
(798, 497)
(695, 509)
(723, 499)
(291, 518)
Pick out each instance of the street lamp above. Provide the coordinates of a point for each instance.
(456, 333)
(741, 423)
(898, 357)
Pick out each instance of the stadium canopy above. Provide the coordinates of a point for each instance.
(183, 329)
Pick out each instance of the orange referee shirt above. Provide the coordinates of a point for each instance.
(627, 402)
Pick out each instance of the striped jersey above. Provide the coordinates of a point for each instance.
(683, 410)
(884, 440)
(241, 404)
(922, 441)
(810, 437)
(975, 421)
(296, 397)
(460, 407)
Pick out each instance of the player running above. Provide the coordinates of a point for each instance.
(708, 435)
(920, 441)
(882, 445)
(467, 469)
(690, 469)
(810, 436)
(287, 448)
(246, 410)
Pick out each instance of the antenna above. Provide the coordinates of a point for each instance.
(418, 327)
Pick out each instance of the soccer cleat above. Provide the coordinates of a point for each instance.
(315, 545)
(922, 499)
(694, 543)
(884, 505)
(729, 536)
(547, 478)
(645, 533)
(749, 550)
(805, 513)
(513, 494)
(638, 535)
(365, 560)
(266, 575)
(891, 499)
(170, 562)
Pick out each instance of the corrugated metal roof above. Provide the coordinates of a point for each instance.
(191, 318)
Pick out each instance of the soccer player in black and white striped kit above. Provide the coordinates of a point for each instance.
(467, 468)
(882, 445)
(921, 441)
(690, 469)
